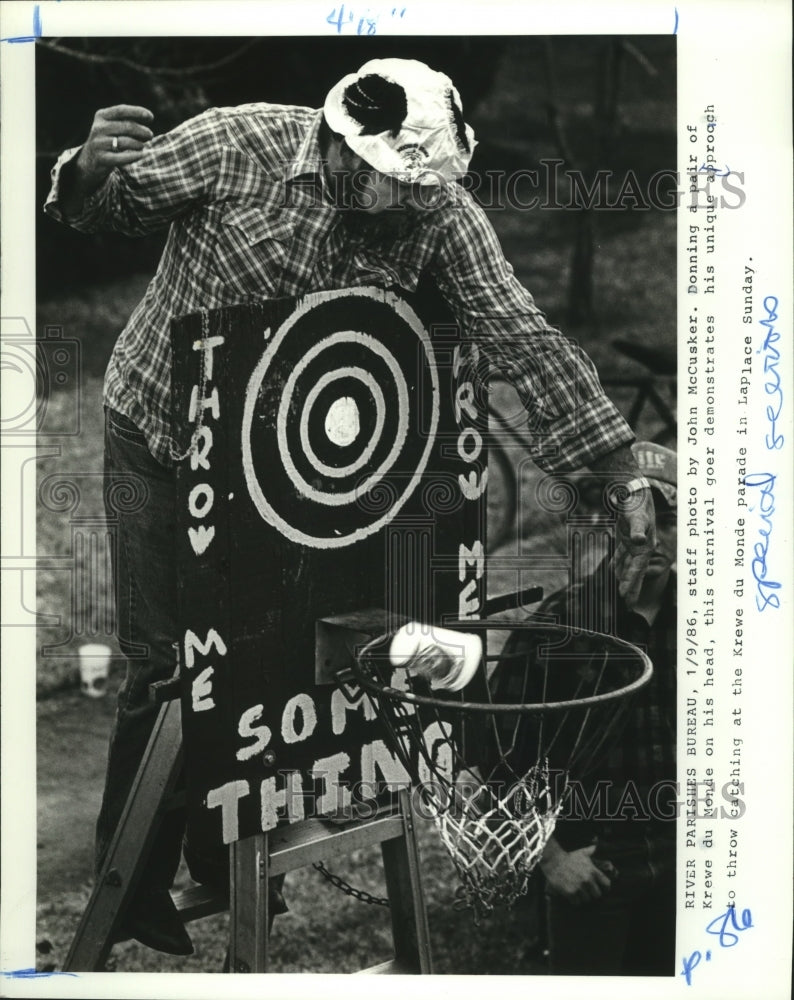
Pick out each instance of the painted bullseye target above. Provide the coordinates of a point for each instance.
(341, 409)
(379, 354)
(342, 423)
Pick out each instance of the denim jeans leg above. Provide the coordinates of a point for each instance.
(145, 584)
(588, 939)
(630, 930)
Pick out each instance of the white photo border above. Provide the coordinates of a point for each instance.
(733, 58)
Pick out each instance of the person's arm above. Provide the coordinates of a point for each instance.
(572, 874)
(117, 138)
(572, 423)
(139, 183)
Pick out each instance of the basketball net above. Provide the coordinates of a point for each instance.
(495, 840)
(494, 774)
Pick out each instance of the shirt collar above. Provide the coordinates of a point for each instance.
(308, 160)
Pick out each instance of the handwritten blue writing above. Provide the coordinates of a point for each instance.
(727, 936)
(33, 974)
(16, 39)
(727, 929)
(366, 22)
(766, 590)
(709, 168)
(772, 386)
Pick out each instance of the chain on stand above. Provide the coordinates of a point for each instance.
(360, 894)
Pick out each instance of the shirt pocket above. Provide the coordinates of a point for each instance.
(252, 250)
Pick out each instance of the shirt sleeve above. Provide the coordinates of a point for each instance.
(177, 170)
(571, 422)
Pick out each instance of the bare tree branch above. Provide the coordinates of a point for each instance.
(641, 58)
(169, 71)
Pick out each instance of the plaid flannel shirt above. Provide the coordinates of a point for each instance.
(644, 752)
(241, 190)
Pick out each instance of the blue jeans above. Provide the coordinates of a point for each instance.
(631, 929)
(145, 583)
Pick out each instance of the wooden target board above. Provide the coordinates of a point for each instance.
(334, 462)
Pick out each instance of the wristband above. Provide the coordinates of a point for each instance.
(640, 483)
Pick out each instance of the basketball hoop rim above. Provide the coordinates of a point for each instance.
(525, 708)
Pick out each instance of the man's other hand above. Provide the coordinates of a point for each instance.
(573, 876)
(635, 541)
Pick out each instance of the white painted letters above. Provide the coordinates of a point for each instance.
(289, 798)
(246, 729)
(202, 444)
(474, 556)
(301, 706)
(228, 797)
(341, 704)
(335, 795)
(376, 757)
(201, 691)
(193, 644)
(199, 503)
(201, 496)
(472, 483)
(211, 403)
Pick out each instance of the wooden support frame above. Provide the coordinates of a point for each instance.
(253, 861)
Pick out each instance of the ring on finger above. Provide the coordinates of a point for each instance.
(115, 144)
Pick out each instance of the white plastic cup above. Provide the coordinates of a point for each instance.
(445, 658)
(94, 668)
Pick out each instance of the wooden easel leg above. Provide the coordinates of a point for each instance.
(249, 905)
(116, 882)
(404, 886)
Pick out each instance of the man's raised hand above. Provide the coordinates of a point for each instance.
(118, 137)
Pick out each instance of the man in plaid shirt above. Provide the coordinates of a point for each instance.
(610, 864)
(263, 201)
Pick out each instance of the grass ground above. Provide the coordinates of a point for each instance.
(324, 931)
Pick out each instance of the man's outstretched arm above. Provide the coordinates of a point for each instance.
(572, 423)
